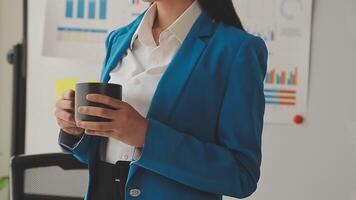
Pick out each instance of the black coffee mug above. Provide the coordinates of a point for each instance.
(83, 89)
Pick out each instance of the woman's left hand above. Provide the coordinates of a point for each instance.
(127, 124)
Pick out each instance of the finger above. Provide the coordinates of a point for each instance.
(65, 104)
(97, 111)
(74, 131)
(106, 100)
(68, 95)
(99, 133)
(64, 115)
(95, 126)
(66, 125)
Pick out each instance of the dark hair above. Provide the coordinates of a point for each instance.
(223, 11)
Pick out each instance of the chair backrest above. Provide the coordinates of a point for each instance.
(56, 176)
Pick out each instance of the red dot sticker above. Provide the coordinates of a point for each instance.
(298, 119)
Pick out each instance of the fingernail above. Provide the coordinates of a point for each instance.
(80, 109)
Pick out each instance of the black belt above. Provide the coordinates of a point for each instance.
(110, 180)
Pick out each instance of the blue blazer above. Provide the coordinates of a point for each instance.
(205, 120)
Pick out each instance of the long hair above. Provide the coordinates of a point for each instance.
(223, 11)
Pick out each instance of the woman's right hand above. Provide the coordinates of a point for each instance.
(64, 113)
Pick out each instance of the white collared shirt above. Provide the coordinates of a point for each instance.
(143, 66)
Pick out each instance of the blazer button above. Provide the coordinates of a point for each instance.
(135, 192)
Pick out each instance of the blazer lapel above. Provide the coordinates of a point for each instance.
(173, 80)
(118, 49)
(178, 72)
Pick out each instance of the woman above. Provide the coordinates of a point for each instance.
(191, 119)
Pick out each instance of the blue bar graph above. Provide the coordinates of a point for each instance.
(80, 10)
(69, 9)
(290, 78)
(273, 36)
(86, 9)
(103, 8)
(91, 9)
(278, 79)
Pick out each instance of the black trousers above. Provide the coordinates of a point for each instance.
(110, 180)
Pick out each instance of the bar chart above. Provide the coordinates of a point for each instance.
(280, 86)
(103, 9)
(268, 34)
(79, 28)
(86, 9)
(83, 11)
(282, 77)
(91, 9)
(80, 9)
(81, 35)
(281, 97)
(285, 26)
(69, 9)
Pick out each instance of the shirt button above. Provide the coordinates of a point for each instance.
(135, 192)
(125, 157)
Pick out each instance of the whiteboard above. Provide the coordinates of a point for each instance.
(77, 29)
(285, 26)
(314, 161)
(42, 73)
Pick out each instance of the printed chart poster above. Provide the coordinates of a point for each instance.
(285, 25)
(78, 28)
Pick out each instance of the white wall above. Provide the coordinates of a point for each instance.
(42, 74)
(315, 161)
(10, 34)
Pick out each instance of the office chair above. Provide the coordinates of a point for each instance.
(56, 176)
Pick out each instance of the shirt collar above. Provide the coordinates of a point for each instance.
(179, 28)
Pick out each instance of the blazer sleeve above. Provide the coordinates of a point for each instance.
(79, 146)
(231, 166)
(67, 141)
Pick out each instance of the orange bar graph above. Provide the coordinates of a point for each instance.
(272, 75)
(294, 77)
(282, 77)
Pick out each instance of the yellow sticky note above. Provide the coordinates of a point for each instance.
(63, 85)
